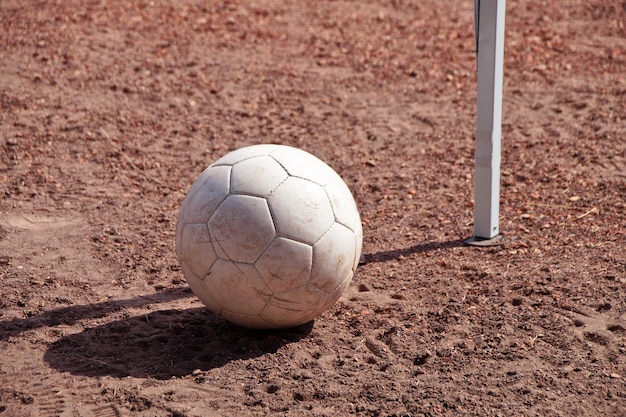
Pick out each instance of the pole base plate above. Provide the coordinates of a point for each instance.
(484, 242)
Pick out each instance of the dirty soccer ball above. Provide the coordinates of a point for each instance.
(268, 236)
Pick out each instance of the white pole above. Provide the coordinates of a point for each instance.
(489, 19)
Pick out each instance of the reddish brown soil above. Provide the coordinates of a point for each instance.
(109, 110)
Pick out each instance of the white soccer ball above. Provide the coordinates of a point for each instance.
(268, 236)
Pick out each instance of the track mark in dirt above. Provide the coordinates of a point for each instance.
(52, 404)
(106, 411)
(49, 397)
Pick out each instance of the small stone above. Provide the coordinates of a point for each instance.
(615, 376)
(272, 389)
(421, 358)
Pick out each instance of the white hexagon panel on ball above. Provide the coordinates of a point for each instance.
(241, 228)
(301, 210)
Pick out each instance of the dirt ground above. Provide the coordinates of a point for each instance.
(109, 110)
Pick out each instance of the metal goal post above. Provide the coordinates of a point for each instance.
(489, 26)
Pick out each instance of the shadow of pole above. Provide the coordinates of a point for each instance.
(394, 254)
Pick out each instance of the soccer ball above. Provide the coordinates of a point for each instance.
(268, 236)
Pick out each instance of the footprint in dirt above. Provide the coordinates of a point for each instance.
(364, 292)
(42, 395)
(40, 241)
(40, 221)
(598, 327)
